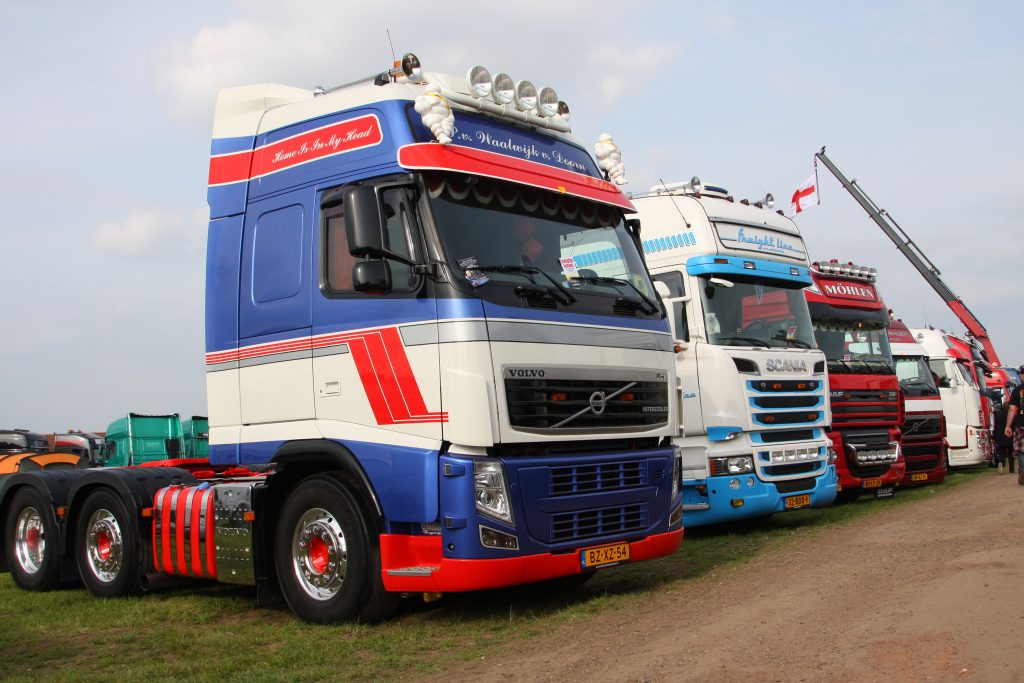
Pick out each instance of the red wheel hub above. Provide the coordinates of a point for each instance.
(103, 545)
(32, 538)
(318, 556)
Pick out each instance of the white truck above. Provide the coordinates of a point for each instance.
(963, 403)
(753, 385)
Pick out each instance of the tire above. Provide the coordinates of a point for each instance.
(30, 541)
(328, 567)
(107, 547)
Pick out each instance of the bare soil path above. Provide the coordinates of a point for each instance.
(928, 591)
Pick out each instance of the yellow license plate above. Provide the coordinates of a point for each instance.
(604, 556)
(872, 483)
(918, 477)
(798, 502)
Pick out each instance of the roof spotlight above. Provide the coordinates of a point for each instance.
(547, 102)
(845, 269)
(503, 89)
(563, 110)
(412, 68)
(695, 185)
(526, 96)
(479, 82)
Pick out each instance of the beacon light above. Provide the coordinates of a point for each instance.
(480, 83)
(547, 102)
(503, 89)
(412, 68)
(526, 96)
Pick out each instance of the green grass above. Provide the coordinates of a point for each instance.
(210, 631)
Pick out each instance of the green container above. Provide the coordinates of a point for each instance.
(136, 439)
(196, 431)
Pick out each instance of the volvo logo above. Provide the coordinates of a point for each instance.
(523, 372)
(598, 402)
(785, 365)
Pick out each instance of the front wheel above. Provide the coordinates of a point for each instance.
(323, 555)
(30, 540)
(106, 547)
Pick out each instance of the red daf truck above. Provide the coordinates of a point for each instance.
(850, 321)
(924, 425)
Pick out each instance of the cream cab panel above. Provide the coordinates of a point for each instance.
(383, 380)
(277, 392)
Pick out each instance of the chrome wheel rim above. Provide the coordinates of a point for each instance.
(29, 540)
(103, 546)
(319, 554)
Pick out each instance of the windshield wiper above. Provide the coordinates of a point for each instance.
(796, 342)
(555, 290)
(652, 307)
(753, 340)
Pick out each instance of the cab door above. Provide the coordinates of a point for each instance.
(375, 355)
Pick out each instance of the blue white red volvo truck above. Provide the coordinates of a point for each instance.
(754, 391)
(404, 346)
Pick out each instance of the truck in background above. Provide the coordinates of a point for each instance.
(850, 321)
(923, 428)
(403, 349)
(136, 439)
(196, 437)
(22, 440)
(753, 391)
(90, 446)
(961, 386)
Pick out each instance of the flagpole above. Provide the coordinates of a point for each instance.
(817, 186)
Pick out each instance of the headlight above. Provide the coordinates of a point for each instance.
(479, 82)
(490, 490)
(504, 89)
(735, 465)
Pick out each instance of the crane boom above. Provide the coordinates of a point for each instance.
(916, 257)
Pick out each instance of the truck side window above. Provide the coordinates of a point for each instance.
(674, 282)
(939, 370)
(399, 237)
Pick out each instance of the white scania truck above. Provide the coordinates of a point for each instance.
(753, 384)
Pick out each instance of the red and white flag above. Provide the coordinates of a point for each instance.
(805, 197)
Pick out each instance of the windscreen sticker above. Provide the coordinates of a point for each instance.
(569, 266)
(476, 277)
(468, 262)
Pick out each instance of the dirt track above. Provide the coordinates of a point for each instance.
(928, 591)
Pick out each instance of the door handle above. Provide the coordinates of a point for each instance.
(331, 387)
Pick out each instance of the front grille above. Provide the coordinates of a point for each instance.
(864, 407)
(544, 403)
(606, 476)
(787, 435)
(791, 468)
(570, 526)
(790, 385)
(922, 462)
(919, 428)
(786, 418)
(794, 485)
(786, 401)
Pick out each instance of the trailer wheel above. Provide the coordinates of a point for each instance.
(30, 538)
(108, 554)
(323, 553)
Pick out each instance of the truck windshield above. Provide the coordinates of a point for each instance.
(515, 243)
(13, 442)
(852, 350)
(1015, 378)
(742, 311)
(915, 376)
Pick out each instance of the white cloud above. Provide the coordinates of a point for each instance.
(150, 232)
(629, 69)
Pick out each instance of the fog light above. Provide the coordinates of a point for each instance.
(750, 483)
(734, 484)
(492, 538)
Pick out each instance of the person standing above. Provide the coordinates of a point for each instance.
(1015, 429)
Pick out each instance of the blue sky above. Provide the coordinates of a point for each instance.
(109, 110)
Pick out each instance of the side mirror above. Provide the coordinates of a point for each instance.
(662, 289)
(371, 277)
(364, 224)
(633, 225)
